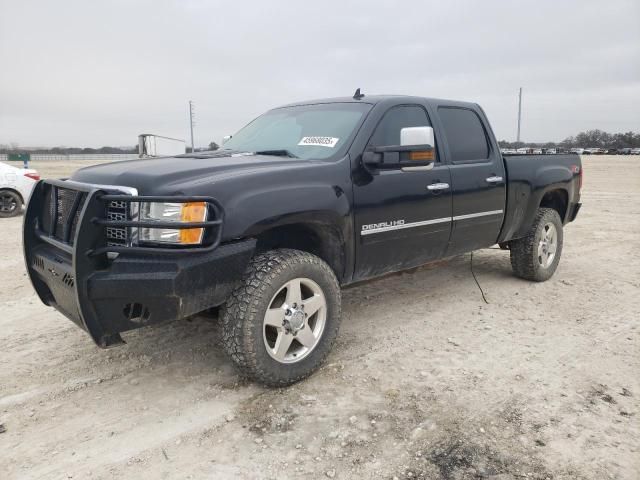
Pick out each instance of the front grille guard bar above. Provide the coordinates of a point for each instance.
(213, 205)
(214, 208)
(88, 251)
(67, 226)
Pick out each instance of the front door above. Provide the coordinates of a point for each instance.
(402, 218)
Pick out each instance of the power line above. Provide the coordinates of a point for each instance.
(484, 299)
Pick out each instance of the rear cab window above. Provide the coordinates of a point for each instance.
(465, 135)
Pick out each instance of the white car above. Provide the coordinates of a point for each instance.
(15, 187)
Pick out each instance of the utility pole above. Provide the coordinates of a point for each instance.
(192, 116)
(519, 112)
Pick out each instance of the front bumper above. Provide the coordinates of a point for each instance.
(106, 296)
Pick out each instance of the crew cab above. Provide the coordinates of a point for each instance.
(304, 200)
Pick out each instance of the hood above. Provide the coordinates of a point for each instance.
(152, 175)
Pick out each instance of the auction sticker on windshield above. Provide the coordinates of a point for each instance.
(319, 141)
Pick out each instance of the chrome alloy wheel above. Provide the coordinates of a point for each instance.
(294, 321)
(547, 245)
(8, 203)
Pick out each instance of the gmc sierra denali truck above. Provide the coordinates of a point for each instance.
(305, 199)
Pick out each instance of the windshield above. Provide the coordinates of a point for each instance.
(305, 131)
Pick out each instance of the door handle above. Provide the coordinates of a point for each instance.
(493, 179)
(437, 186)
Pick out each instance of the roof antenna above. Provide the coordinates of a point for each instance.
(358, 95)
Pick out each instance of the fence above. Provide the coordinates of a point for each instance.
(96, 157)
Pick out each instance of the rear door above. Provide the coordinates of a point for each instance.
(477, 179)
(402, 218)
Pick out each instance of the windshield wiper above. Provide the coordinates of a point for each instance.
(277, 153)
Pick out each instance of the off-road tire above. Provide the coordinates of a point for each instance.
(243, 313)
(18, 204)
(523, 252)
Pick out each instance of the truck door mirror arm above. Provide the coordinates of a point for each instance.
(395, 157)
(415, 152)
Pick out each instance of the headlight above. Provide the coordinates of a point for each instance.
(172, 212)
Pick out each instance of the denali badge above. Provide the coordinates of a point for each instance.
(378, 226)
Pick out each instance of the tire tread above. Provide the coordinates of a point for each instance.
(241, 310)
(523, 250)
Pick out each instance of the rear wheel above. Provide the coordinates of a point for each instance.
(10, 204)
(536, 256)
(280, 324)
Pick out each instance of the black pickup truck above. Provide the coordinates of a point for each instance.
(305, 199)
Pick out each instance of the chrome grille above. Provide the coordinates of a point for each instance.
(117, 236)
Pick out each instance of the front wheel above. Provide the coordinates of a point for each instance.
(280, 323)
(536, 256)
(10, 204)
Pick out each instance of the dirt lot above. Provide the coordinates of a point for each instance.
(426, 381)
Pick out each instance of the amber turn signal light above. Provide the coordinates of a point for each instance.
(192, 212)
(422, 155)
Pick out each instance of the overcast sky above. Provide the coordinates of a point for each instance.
(93, 73)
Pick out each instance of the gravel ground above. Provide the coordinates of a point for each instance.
(426, 381)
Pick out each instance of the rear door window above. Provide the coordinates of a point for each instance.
(465, 134)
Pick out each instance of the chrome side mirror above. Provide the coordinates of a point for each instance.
(417, 136)
(414, 136)
(416, 152)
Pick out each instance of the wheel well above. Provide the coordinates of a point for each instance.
(320, 240)
(556, 199)
(13, 191)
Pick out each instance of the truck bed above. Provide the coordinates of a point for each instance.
(530, 177)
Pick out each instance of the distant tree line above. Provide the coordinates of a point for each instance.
(589, 139)
(67, 150)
